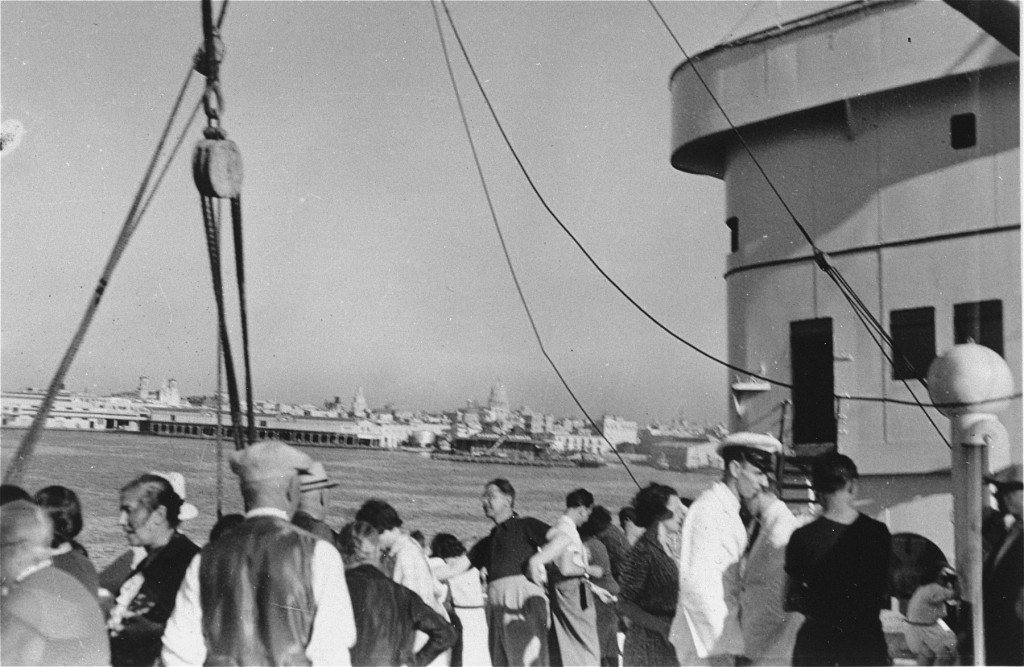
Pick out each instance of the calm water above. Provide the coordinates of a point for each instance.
(432, 496)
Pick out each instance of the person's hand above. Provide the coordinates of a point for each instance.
(603, 595)
(536, 571)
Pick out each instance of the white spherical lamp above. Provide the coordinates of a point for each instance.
(970, 378)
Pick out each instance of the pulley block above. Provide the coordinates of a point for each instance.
(217, 167)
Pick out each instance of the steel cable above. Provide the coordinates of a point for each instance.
(26, 448)
(504, 246)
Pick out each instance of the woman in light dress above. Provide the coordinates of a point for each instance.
(465, 596)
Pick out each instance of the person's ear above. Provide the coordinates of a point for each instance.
(160, 513)
(294, 490)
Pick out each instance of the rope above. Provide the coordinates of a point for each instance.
(219, 438)
(501, 236)
(236, 220)
(26, 448)
(212, 239)
(220, 412)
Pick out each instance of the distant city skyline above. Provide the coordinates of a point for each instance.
(371, 257)
(357, 400)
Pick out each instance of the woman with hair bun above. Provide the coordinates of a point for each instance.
(649, 585)
(152, 506)
(65, 510)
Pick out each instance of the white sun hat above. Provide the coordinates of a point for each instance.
(177, 482)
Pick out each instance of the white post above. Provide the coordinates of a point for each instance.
(969, 383)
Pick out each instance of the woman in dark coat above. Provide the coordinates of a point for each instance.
(649, 585)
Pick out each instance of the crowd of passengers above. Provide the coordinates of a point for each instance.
(731, 578)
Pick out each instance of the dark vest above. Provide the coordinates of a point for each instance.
(256, 592)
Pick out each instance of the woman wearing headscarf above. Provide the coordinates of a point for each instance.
(151, 510)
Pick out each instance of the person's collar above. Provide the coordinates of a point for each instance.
(513, 515)
(726, 496)
(32, 569)
(267, 511)
(366, 569)
(403, 541)
(62, 548)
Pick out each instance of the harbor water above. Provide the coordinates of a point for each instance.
(431, 496)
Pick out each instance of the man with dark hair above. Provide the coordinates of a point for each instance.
(838, 569)
(299, 614)
(706, 627)
(573, 636)
(517, 611)
(404, 560)
(603, 581)
(611, 536)
(388, 615)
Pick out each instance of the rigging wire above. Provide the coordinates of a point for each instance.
(861, 309)
(501, 236)
(896, 401)
(139, 204)
(876, 333)
(856, 303)
(576, 241)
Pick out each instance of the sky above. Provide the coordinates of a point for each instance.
(371, 257)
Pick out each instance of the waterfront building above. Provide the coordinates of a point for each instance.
(891, 130)
(169, 394)
(73, 411)
(618, 430)
(578, 443)
(201, 422)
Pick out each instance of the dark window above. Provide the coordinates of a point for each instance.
(814, 416)
(980, 321)
(733, 224)
(913, 342)
(962, 131)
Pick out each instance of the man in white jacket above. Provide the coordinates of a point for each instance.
(769, 631)
(706, 628)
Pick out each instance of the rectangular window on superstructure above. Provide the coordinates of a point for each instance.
(963, 132)
(733, 224)
(913, 342)
(812, 356)
(981, 322)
